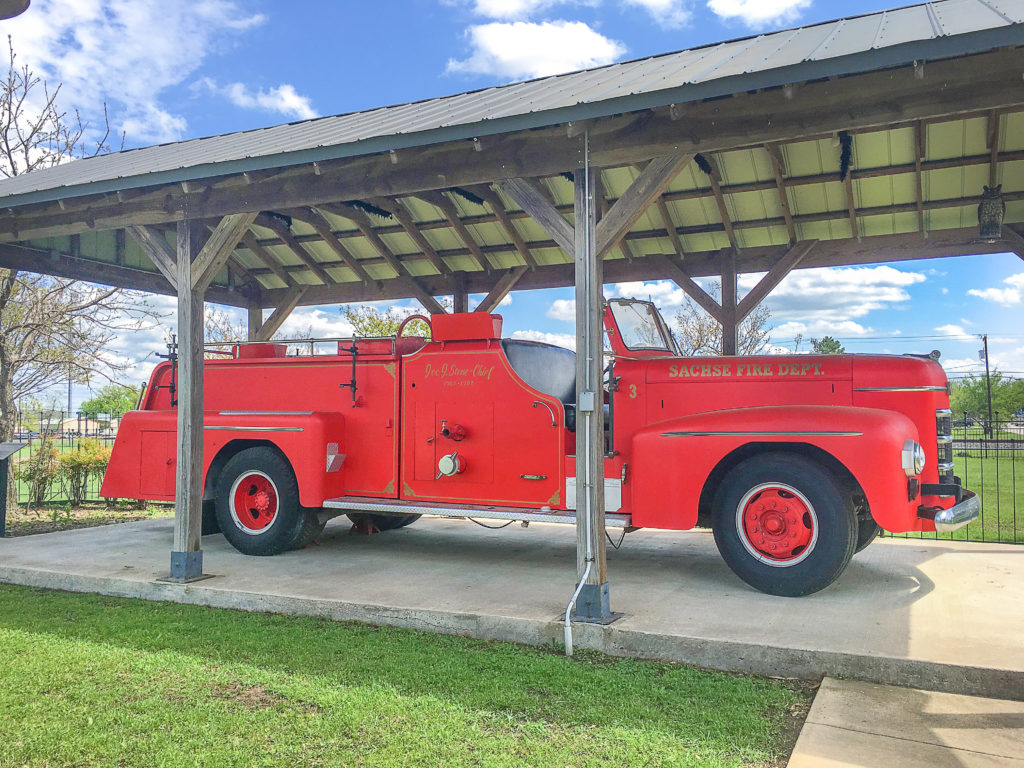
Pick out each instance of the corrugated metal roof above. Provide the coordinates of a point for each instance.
(857, 44)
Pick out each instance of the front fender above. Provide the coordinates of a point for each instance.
(673, 459)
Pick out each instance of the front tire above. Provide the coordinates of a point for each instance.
(257, 503)
(783, 524)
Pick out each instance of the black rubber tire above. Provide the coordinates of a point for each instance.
(210, 524)
(867, 530)
(383, 522)
(313, 528)
(290, 525)
(826, 558)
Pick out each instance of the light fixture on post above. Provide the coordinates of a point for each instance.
(11, 8)
(991, 210)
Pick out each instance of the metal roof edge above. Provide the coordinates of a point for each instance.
(880, 58)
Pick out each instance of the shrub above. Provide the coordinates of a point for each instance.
(88, 460)
(39, 472)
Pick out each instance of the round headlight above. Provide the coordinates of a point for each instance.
(919, 458)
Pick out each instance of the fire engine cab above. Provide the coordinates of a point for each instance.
(795, 462)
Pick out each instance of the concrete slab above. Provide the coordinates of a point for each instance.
(932, 615)
(861, 725)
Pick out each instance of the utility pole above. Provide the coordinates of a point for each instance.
(988, 385)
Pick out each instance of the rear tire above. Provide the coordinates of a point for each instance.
(783, 525)
(257, 504)
(867, 530)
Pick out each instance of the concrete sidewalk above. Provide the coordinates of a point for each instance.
(925, 614)
(861, 725)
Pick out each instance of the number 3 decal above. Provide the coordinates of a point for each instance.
(632, 391)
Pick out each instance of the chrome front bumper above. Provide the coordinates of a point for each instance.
(960, 514)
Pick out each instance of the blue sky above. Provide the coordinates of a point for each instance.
(171, 69)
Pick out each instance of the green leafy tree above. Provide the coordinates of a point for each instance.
(970, 396)
(112, 400)
(370, 322)
(827, 346)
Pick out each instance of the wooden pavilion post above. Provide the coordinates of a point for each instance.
(187, 554)
(593, 603)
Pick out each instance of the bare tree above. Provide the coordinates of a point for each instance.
(51, 329)
(699, 334)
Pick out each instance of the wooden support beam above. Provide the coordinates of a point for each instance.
(249, 241)
(282, 230)
(316, 219)
(669, 269)
(775, 275)
(460, 297)
(272, 324)
(540, 209)
(730, 318)
(1015, 239)
(186, 552)
(919, 130)
(119, 247)
(648, 186)
(501, 289)
(723, 212)
(364, 225)
(451, 214)
(254, 318)
(397, 209)
(593, 602)
(779, 169)
(489, 196)
(160, 253)
(217, 249)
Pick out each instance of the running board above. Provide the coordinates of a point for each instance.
(529, 514)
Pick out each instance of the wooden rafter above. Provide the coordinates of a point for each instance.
(163, 256)
(604, 206)
(627, 210)
(281, 229)
(322, 227)
(671, 270)
(249, 241)
(779, 171)
(919, 149)
(852, 206)
(501, 289)
(730, 317)
(363, 223)
(1015, 239)
(723, 212)
(451, 214)
(397, 209)
(993, 146)
(670, 227)
(493, 201)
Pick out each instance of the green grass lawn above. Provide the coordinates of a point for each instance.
(95, 681)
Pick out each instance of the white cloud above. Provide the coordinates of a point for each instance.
(1008, 297)
(668, 13)
(952, 330)
(664, 293)
(525, 49)
(566, 340)
(758, 13)
(564, 310)
(511, 9)
(125, 53)
(282, 99)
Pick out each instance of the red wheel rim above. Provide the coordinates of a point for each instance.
(777, 524)
(254, 502)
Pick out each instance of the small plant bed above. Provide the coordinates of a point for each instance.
(91, 680)
(25, 521)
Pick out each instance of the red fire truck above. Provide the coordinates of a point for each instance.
(795, 462)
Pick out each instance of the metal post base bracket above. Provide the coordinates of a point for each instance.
(186, 567)
(593, 605)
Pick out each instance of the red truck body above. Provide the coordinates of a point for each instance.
(473, 421)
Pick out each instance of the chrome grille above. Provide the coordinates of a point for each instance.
(944, 444)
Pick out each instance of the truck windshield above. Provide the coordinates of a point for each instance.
(640, 325)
